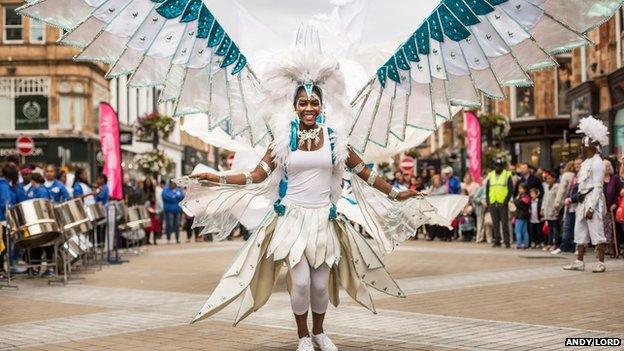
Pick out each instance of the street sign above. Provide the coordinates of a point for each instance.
(407, 164)
(24, 145)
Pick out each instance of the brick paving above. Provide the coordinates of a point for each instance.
(460, 296)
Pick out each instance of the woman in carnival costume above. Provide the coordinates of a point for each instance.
(462, 50)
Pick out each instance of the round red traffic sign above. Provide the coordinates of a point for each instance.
(25, 145)
(230, 160)
(407, 164)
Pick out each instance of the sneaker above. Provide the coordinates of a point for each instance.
(323, 342)
(556, 252)
(305, 344)
(600, 268)
(576, 266)
(48, 273)
(496, 245)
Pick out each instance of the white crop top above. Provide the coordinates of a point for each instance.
(309, 176)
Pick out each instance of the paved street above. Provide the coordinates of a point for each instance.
(460, 297)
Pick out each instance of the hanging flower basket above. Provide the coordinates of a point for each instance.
(154, 163)
(154, 123)
(497, 124)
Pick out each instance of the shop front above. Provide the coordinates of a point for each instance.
(542, 143)
(614, 117)
(66, 151)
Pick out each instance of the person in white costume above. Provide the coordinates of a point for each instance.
(591, 209)
(311, 251)
(459, 51)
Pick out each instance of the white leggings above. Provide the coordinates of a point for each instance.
(309, 287)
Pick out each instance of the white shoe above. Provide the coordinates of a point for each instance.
(556, 252)
(576, 266)
(305, 344)
(600, 268)
(323, 342)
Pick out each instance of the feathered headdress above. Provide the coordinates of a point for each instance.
(306, 66)
(595, 131)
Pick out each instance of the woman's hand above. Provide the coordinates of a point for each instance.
(404, 195)
(205, 176)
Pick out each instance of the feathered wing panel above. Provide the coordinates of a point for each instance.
(466, 48)
(178, 45)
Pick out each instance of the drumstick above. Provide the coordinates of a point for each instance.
(614, 235)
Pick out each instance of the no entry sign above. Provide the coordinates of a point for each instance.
(25, 145)
(407, 164)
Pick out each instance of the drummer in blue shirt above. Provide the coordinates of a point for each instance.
(22, 188)
(7, 194)
(37, 189)
(7, 199)
(102, 192)
(57, 190)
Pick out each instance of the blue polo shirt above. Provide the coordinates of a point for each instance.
(7, 197)
(40, 192)
(102, 196)
(57, 190)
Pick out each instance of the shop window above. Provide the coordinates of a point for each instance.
(37, 32)
(71, 105)
(618, 133)
(563, 84)
(522, 102)
(13, 26)
(530, 153)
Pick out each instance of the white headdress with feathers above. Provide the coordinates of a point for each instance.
(594, 129)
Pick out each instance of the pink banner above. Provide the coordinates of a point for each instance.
(473, 136)
(111, 149)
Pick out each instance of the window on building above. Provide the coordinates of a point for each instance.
(71, 105)
(522, 102)
(13, 26)
(37, 32)
(563, 85)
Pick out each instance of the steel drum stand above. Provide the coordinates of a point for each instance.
(112, 237)
(8, 257)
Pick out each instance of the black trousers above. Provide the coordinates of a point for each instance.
(535, 233)
(500, 217)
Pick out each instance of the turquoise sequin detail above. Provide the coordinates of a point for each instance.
(191, 13)
(225, 45)
(308, 86)
(294, 126)
(320, 119)
(172, 8)
(279, 208)
(452, 27)
(231, 56)
(450, 19)
(333, 212)
(283, 187)
(207, 28)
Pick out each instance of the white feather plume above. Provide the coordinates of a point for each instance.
(595, 129)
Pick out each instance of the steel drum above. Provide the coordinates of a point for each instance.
(73, 217)
(73, 249)
(138, 218)
(96, 212)
(33, 223)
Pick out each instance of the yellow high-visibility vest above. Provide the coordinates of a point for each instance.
(498, 187)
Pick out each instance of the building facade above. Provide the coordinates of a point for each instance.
(44, 94)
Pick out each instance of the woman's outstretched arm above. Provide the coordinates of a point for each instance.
(259, 174)
(354, 162)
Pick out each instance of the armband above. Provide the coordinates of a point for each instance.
(372, 177)
(248, 178)
(358, 168)
(265, 166)
(222, 179)
(392, 195)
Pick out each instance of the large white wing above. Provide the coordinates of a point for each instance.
(463, 49)
(176, 44)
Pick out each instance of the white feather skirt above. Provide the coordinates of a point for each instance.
(305, 231)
